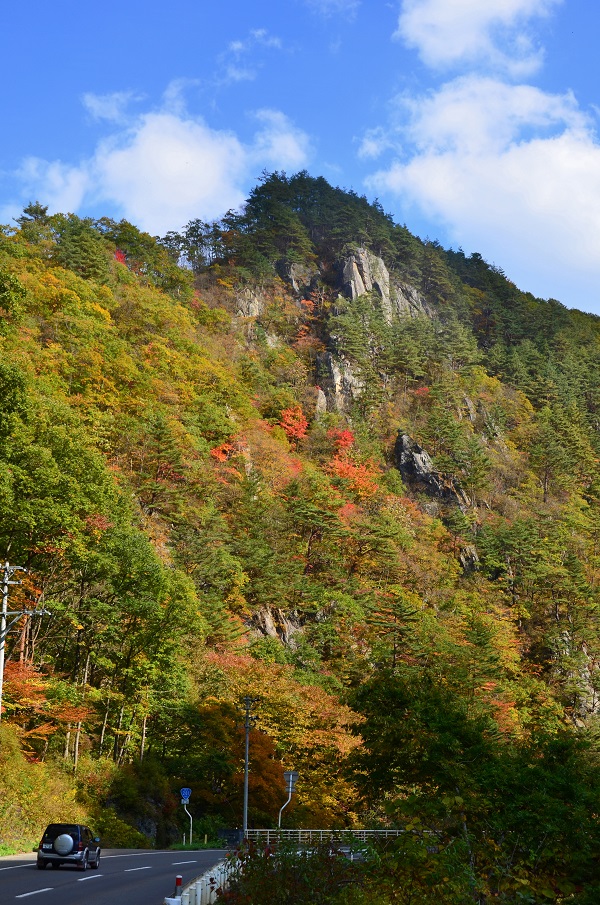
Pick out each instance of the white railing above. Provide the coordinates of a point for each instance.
(203, 890)
(268, 836)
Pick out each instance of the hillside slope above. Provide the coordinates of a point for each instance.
(300, 455)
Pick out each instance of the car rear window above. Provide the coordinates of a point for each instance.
(57, 829)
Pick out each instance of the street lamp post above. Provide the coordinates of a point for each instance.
(248, 722)
(291, 778)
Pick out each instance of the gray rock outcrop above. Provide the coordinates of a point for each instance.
(362, 272)
(416, 467)
(273, 623)
(340, 384)
(249, 303)
(301, 277)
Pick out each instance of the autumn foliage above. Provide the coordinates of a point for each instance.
(419, 637)
(294, 423)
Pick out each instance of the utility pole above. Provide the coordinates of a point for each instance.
(9, 571)
(8, 618)
(248, 722)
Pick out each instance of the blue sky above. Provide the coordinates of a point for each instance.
(475, 122)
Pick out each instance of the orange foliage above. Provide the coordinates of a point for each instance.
(312, 731)
(360, 477)
(294, 423)
(26, 700)
(348, 513)
(223, 452)
(98, 523)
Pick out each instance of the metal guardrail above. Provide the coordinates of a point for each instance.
(300, 836)
(203, 890)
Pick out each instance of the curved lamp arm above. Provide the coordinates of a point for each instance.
(284, 806)
(291, 778)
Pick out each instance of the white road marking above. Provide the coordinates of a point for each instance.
(130, 869)
(16, 866)
(35, 892)
(176, 863)
(141, 854)
(91, 877)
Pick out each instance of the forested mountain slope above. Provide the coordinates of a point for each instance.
(302, 455)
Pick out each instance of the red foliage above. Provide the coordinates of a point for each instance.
(348, 513)
(342, 439)
(294, 423)
(166, 472)
(98, 522)
(120, 256)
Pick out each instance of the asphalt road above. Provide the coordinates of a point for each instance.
(123, 878)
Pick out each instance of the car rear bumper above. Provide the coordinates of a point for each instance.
(73, 858)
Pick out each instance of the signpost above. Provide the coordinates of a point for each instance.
(185, 797)
(291, 778)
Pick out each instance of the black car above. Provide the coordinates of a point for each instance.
(68, 843)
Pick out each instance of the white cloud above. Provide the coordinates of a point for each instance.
(110, 107)
(492, 32)
(514, 173)
(240, 62)
(279, 143)
(374, 142)
(166, 168)
(60, 186)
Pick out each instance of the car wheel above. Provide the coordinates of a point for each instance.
(41, 865)
(95, 864)
(84, 863)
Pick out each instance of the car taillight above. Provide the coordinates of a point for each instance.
(81, 847)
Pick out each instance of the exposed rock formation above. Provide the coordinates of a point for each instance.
(340, 385)
(249, 303)
(416, 467)
(300, 277)
(321, 404)
(406, 300)
(363, 272)
(275, 624)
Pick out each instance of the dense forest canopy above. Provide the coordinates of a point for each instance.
(302, 455)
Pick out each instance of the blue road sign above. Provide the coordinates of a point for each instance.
(185, 794)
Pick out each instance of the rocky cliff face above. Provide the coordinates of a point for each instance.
(301, 277)
(341, 386)
(360, 272)
(249, 303)
(274, 623)
(364, 272)
(416, 468)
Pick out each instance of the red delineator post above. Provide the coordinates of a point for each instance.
(178, 882)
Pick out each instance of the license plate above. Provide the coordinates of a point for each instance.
(47, 845)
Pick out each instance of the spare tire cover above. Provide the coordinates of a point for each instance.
(63, 844)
